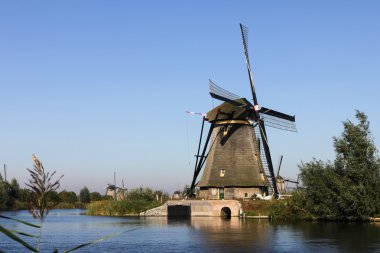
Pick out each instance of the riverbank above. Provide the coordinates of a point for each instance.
(257, 207)
(262, 209)
(135, 207)
(120, 208)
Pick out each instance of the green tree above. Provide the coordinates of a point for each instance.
(13, 192)
(23, 195)
(347, 188)
(357, 162)
(142, 194)
(68, 197)
(323, 189)
(95, 196)
(187, 192)
(84, 195)
(3, 194)
(53, 197)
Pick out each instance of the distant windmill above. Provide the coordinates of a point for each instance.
(116, 192)
(121, 191)
(282, 182)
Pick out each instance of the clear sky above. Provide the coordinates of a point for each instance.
(94, 87)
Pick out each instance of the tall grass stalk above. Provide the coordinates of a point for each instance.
(40, 184)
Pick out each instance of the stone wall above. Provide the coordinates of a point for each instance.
(229, 193)
(158, 211)
(205, 208)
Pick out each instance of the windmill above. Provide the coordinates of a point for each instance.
(239, 162)
(282, 182)
(117, 193)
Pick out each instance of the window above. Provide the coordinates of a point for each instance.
(245, 194)
(222, 172)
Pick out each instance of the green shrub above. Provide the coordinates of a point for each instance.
(346, 189)
(120, 208)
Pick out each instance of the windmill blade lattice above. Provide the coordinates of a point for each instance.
(244, 32)
(219, 91)
(275, 122)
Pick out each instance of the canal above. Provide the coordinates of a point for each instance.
(64, 229)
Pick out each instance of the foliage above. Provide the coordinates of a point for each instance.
(13, 192)
(68, 197)
(95, 196)
(65, 205)
(142, 194)
(187, 192)
(256, 207)
(138, 200)
(3, 194)
(293, 208)
(84, 195)
(41, 195)
(348, 187)
(19, 205)
(40, 186)
(120, 208)
(53, 197)
(12, 197)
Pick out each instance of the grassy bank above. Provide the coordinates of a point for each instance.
(65, 205)
(120, 208)
(284, 209)
(257, 207)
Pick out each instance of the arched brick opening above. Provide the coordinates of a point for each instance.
(225, 212)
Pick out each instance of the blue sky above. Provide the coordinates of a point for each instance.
(94, 87)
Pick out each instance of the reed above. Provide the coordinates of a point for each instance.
(40, 184)
(121, 208)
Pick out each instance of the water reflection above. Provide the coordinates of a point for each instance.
(67, 228)
(236, 235)
(342, 236)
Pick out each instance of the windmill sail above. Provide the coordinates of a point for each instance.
(238, 163)
(275, 122)
(271, 117)
(216, 90)
(244, 35)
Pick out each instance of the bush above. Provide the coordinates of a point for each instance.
(293, 208)
(346, 189)
(95, 196)
(120, 208)
(68, 197)
(141, 193)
